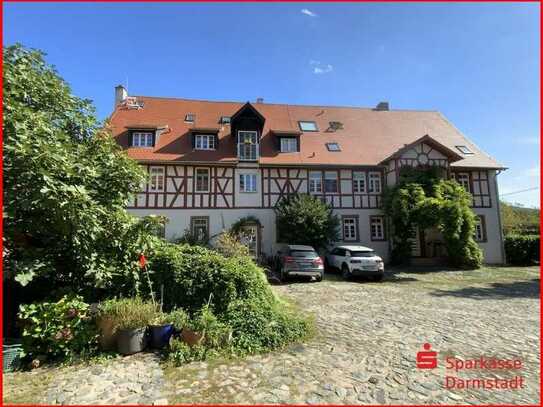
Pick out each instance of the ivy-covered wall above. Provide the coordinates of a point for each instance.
(422, 198)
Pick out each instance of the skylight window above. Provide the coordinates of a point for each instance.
(189, 117)
(333, 147)
(308, 126)
(225, 119)
(464, 150)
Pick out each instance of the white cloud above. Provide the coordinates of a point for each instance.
(320, 68)
(308, 12)
(323, 69)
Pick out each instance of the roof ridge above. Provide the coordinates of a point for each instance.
(286, 104)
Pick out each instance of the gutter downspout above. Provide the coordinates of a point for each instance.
(502, 246)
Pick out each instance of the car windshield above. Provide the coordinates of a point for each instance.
(367, 253)
(303, 253)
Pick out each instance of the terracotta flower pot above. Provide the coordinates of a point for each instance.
(107, 339)
(191, 337)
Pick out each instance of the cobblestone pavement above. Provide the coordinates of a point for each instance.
(364, 351)
(369, 334)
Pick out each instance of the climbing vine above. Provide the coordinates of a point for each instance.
(422, 198)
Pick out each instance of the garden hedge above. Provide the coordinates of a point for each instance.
(522, 250)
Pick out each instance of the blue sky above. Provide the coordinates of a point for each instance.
(476, 63)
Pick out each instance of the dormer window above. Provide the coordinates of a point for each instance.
(142, 139)
(308, 126)
(464, 150)
(189, 118)
(204, 142)
(289, 144)
(225, 120)
(333, 147)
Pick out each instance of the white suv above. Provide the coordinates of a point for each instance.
(355, 261)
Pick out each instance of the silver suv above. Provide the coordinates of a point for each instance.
(355, 261)
(298, 260)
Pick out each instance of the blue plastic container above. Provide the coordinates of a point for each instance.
(160, 335)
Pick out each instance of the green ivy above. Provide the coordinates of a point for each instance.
(422, 198)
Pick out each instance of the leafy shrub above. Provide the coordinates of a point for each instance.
(179, 318)
(190, 274)
(60, 330)
(181, 353)
(259, 325)
(522, 250)
(216, 333)
(228, 299)
(129, 313)
(229, 245)
(305, 219)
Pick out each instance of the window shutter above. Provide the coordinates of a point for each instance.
(193, 140)
(216, 141)
(130, 138)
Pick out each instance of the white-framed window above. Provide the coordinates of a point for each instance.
(350, 228)
(199, 227)
(464, 150)
(308, 125)
(247, 182)
(333, 147)
(247, 145)
(359, 182)
(202, 180)
(189, 118)
(156, 181)
(374, 182)
(204, 142)
(330, 181)
(225, 120)
(289, 145)
(377, 228)
(480, 232)
(142, 139)
(315, 181)
(463, 179)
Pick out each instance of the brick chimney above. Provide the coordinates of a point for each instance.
(382, 106)
(259, 100)
(120, 94)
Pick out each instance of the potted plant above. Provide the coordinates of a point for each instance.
(179, 318)
(129, 318)
(105, 322)
(161, 329)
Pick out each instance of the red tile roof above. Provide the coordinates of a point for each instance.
(368, 136)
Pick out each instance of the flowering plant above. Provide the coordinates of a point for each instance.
(59, 329)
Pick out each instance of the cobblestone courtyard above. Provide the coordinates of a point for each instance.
(364, 351)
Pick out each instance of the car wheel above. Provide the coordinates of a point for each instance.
(318, 278)
(345, 272)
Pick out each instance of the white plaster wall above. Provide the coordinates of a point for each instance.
(222, 219)
(248, 198)
(493, 247)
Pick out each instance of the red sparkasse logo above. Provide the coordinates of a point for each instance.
(426, 359)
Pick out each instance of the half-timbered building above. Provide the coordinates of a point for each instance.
(213, 163)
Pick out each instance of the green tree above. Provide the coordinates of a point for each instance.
(422, 199)
(66, 183)
(305, 219)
